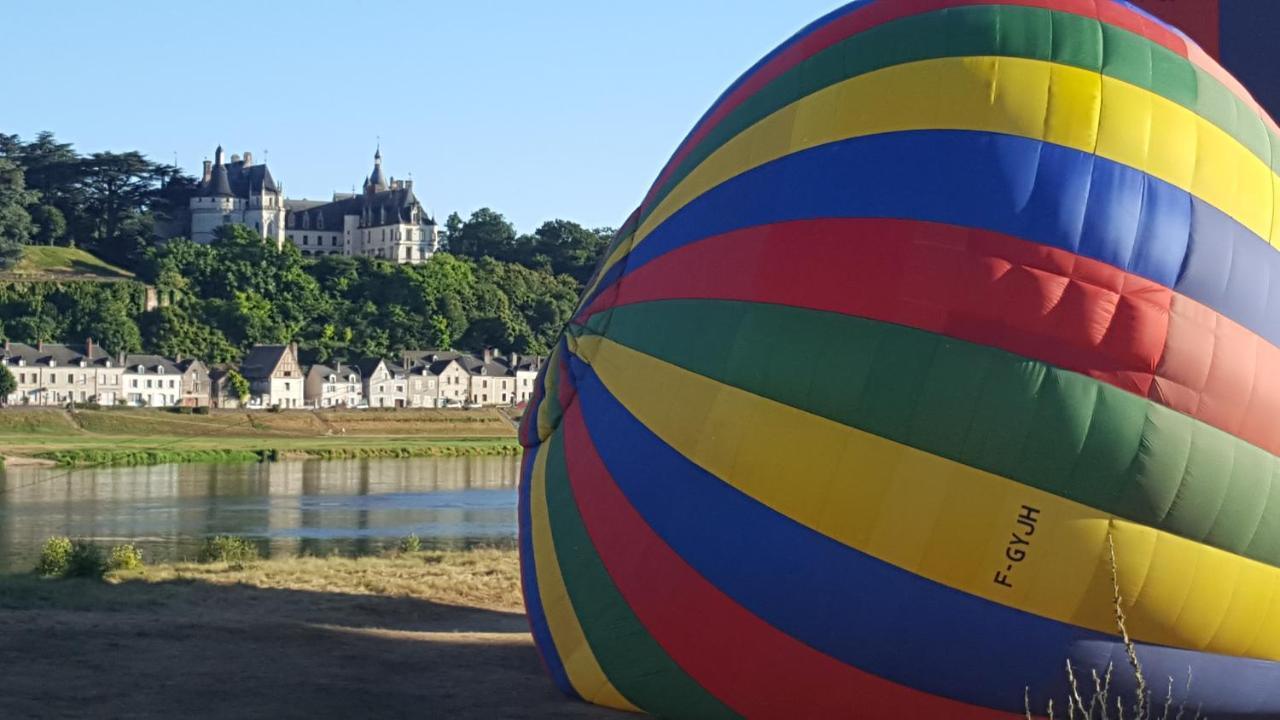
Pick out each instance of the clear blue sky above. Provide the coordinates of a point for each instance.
(553, 108)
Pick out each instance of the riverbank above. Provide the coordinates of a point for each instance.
(435, 634)
(148, 437)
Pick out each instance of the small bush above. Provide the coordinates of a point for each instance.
(201, 410)
(410, 543)
(228, 549)
(55, 557)
(86, 561)
(124, 557)
(275, 409)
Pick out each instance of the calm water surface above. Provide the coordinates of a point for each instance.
(308, 506)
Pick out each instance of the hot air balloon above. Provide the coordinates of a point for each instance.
(942, 306)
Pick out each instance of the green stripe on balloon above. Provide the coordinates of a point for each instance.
(629, 656)
(1008, 31)
(1048, 428)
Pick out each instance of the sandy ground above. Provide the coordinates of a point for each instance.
(188, 648)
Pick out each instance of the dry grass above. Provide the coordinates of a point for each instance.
(434, 634)
(486, 578)
(1098, 702)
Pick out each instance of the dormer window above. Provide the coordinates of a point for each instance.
(141, 370)
(83, 363)
(53, 363)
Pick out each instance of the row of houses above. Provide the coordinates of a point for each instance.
(53, 375)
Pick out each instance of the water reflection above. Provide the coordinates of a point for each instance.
(309, 506)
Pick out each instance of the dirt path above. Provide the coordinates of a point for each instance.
(184, 649)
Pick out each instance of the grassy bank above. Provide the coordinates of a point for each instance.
(147, 437)
(434, 634)
(85, 457)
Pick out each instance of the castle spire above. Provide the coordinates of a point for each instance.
(377, 181)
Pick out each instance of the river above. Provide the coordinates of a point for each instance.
(294, 507)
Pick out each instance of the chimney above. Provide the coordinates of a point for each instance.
(208, 171)
(488, 355)
(6, 345)
(515, 360)
(88, 348)
(235, 158)
(293, 350)
(248, 159)
(39, 346)
(408, 184)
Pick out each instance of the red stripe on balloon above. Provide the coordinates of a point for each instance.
(879, 13)
(754, 668)
(983, 287)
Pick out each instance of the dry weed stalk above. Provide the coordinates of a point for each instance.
(1099, 707)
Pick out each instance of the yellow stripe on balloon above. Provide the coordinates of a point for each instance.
(580, 664)
(949, 522)
(1035, 99)
(547, 419)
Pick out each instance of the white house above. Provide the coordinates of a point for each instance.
(275, 378)
(53, 375)
(384, 383)
(329, 387)
(151, 381)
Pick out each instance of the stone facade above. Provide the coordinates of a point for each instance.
(54, 375)
(385, 220)
(275, 377)
(333, 387)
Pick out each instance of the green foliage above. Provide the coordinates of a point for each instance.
(239, 385)
(411, 543)
(63, 557)
(8, 384)
(124, 557)
(231, 549)
(55, 557)
(72, 312)
(107, 202)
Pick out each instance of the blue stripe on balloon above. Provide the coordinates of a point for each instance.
(1029, 189)
(872, 615)
(529, 581)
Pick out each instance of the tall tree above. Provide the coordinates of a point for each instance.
(8, 385)
(118, 189)
(485, 234)
(16, 227)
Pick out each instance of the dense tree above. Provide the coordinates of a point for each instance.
(8, 385)
(485, 234)
(16, 226)
(107, 202)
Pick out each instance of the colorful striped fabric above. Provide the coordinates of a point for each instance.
(937, 302)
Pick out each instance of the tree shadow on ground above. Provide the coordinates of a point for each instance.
(186, 649)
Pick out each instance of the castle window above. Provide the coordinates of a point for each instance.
(306, 239)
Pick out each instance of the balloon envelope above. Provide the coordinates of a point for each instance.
(939, 303)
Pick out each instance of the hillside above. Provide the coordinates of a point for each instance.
(62, 263)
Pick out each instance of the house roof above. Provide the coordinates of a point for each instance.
(262, 360)
(57, 353)
(236, 180)
(350, 372)
(152, 364)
